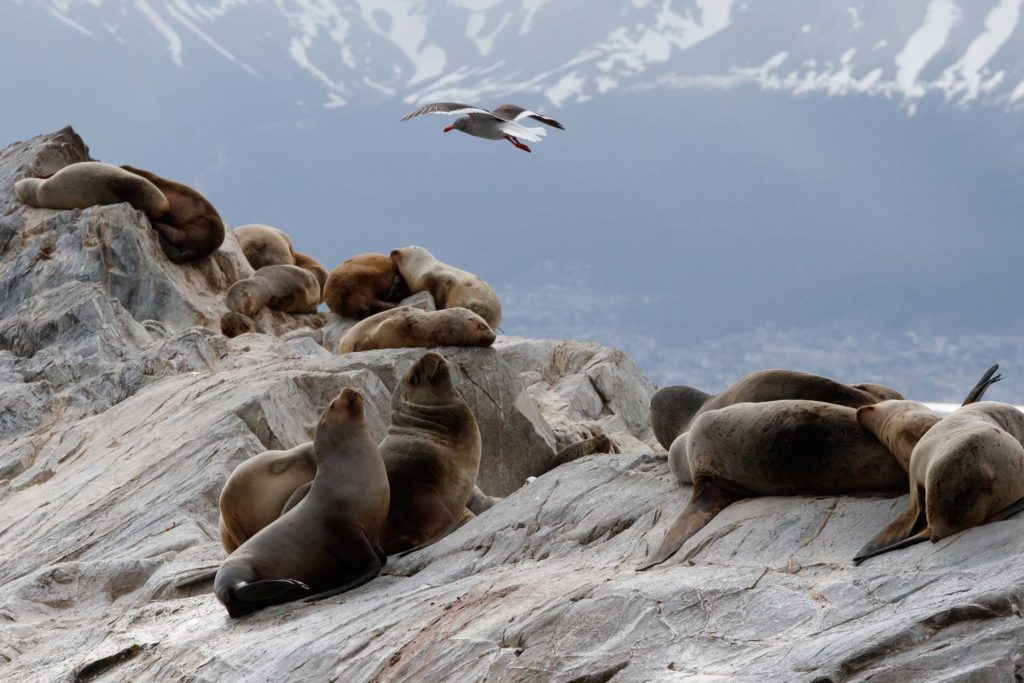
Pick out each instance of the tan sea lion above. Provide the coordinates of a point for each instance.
(191, 228)
(264, 245)
(449, 286)
(284, 288)
(967, 470)
(672, 409)
(432, 455)
(313, 266)
(363, 285)
(411, 327)
(257, 490)
(92, 183)
(967, 473)
(329, 542)
(776, 448)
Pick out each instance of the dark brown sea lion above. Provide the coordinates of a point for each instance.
(330, 541)
(192, 228)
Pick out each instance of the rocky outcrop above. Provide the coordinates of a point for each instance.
(123, 410)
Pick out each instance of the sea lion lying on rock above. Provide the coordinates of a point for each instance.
(450, 286)
(364, 285)
(191, 228)
(411, 327)
(265, 245)
(284, 288)
(92, 183)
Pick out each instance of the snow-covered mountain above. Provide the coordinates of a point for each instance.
(351, 51)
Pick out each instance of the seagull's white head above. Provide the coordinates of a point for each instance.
(460, 124)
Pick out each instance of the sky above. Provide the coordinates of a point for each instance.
(833, 189)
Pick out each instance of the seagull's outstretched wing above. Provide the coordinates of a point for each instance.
(513, 112)
(450, 108)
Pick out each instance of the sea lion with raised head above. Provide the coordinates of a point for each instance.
(776, 448)
(450, 286)
(432, 456)
(92, 183)
(672, 409)
(330, 541)
(191, 228)
(405, 327)
(364, 285)
(257, 490)
(284, 288)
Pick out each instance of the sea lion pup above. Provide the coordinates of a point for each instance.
(257, 490)
(329, 542)
(264, 245)
(92, 183)
(672, 409)
(406, 326)
(449, 286)
(362, 285)
(313, 266)
(284, 288)
(432, 455)
(776, 448)
(191, 228)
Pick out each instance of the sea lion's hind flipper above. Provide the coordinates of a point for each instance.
(297, 496)
(707, 500)
(171, 250)
(361, 550)
(1007, 512)
(909, 525)
(988, 379)
(270, 591)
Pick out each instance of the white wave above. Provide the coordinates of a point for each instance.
(174, 43)
(923, 45)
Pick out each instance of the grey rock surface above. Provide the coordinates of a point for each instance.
(120, 419)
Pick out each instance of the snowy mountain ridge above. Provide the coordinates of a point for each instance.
(570, 50)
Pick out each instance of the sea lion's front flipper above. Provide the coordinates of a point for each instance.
(708, 500)
(362, 554)
(270, 591)
(433, 520)
(908, 525)
(297, 496)
(480, 502)
(987, 380)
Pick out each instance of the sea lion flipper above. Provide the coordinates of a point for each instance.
(987, 380)
(706, 501)
(361, 546)
(296, 497)
(269, 591)
(480, 502)
(910, 523)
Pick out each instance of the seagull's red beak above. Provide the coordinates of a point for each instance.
(449, 128)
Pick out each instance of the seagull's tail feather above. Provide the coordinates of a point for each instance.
(517, 130)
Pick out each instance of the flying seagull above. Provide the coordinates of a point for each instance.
(503, 122)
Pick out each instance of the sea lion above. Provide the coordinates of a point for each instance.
(313, 266)
(328, 543)
(672, 409)
(776, 448)
(449, 286)
(362, 285)
(595, 444)
(233, 324)
(264, 245)
(966, 470)
(191, 228)
(411, 327)
(92, 183)
(284, 288)
(257, 490)
(432, 455)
